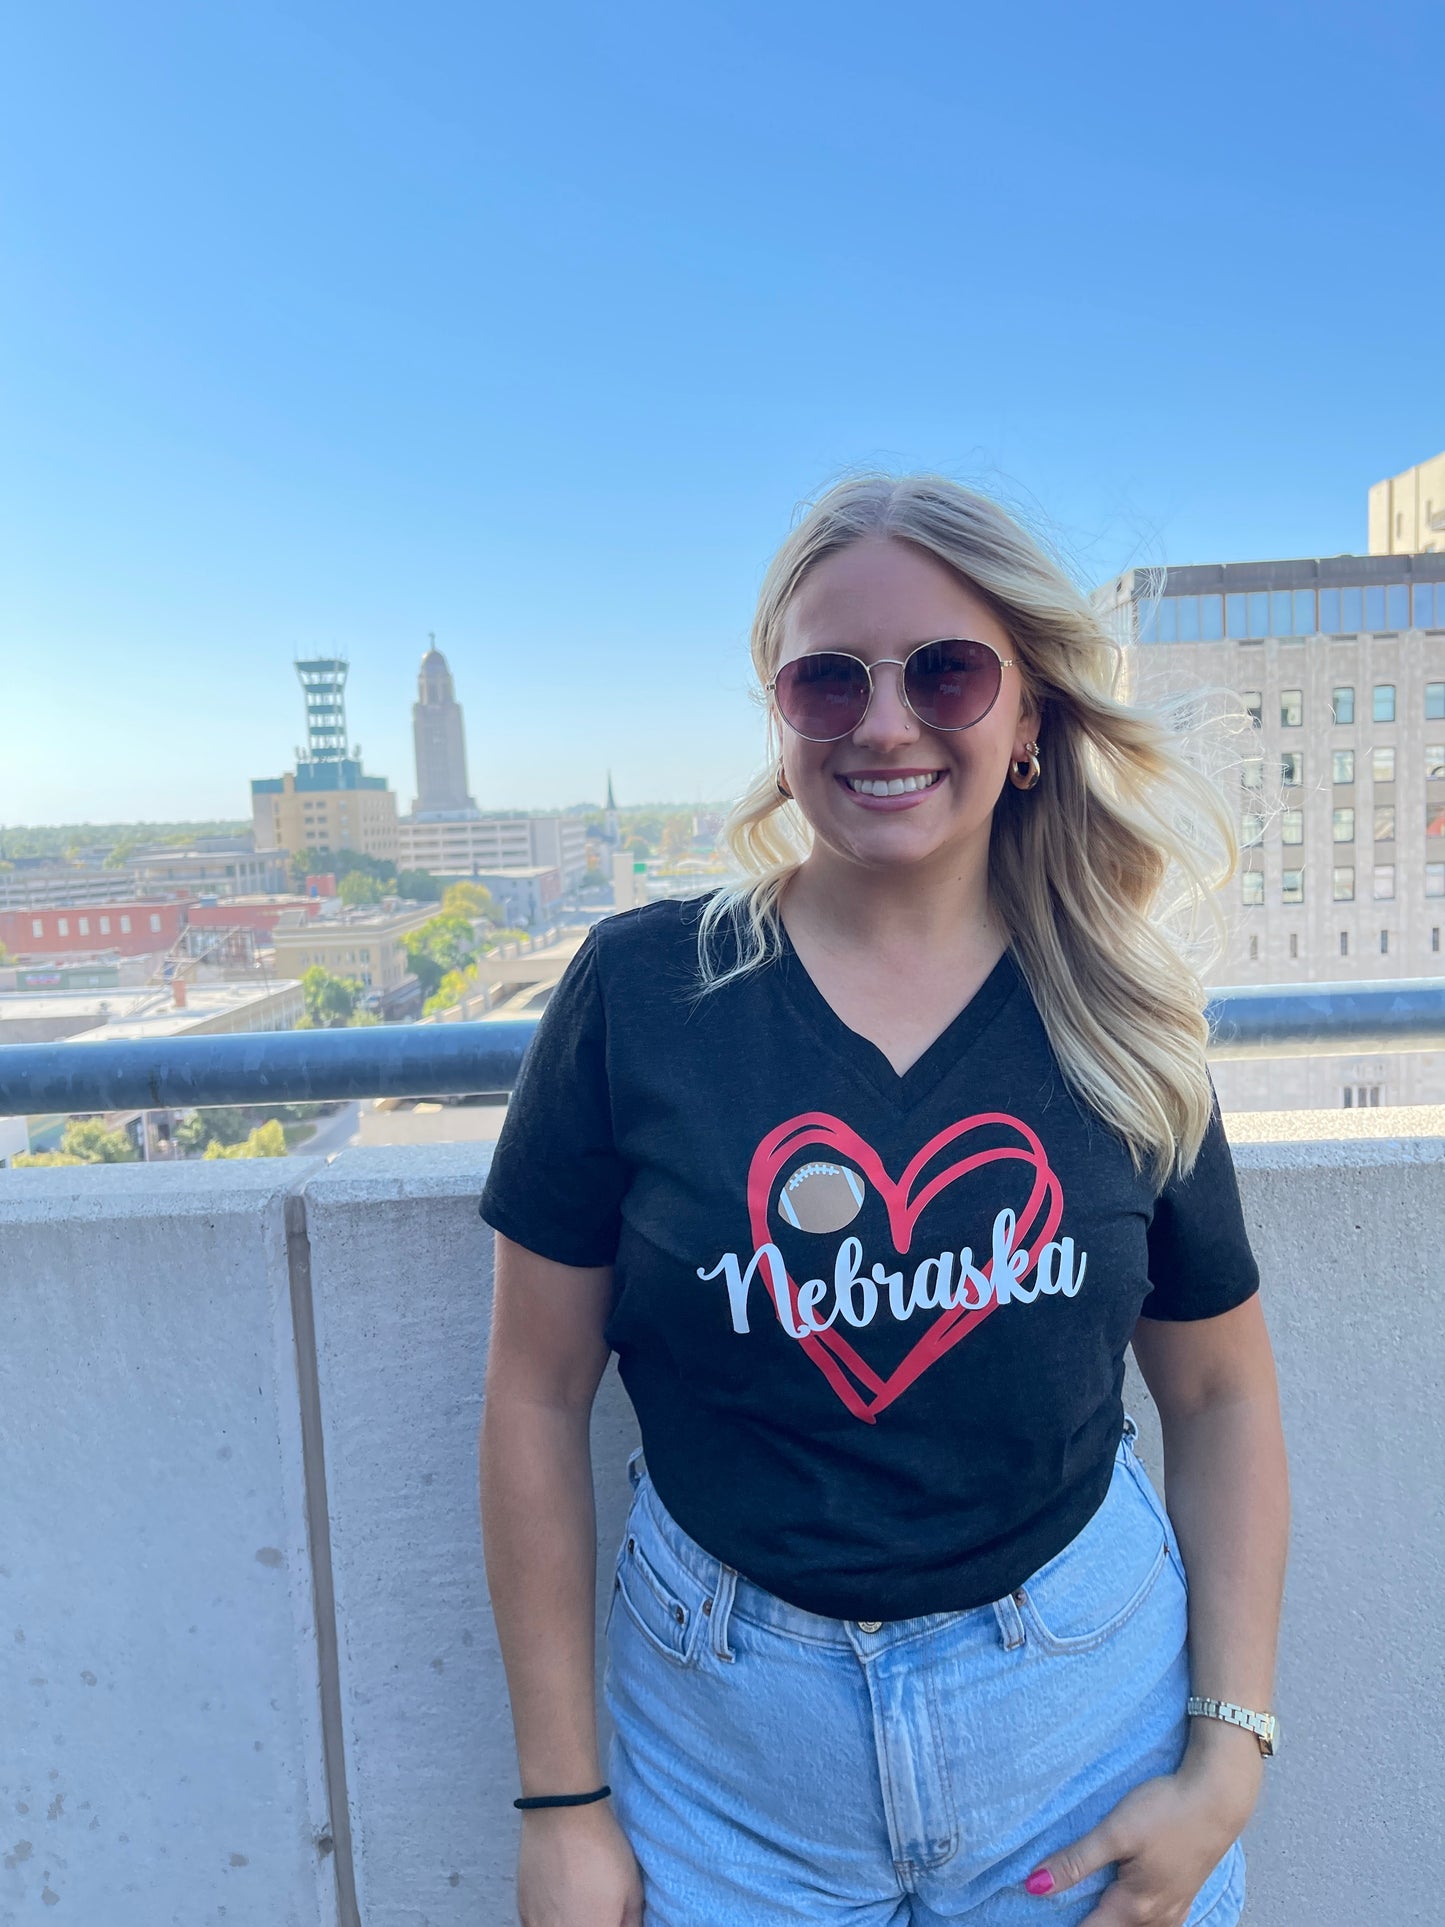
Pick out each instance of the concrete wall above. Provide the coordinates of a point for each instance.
(248, 1673)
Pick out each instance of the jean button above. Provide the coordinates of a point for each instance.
(870, 1625)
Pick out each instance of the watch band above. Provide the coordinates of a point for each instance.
(1264, 1726)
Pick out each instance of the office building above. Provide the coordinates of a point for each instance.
(327, 802)
(439, 738)
(215, 869)
(128, 929)
(1407, 512)
(1340, 781)
(364, 945)
(36, 883)
(465, 845)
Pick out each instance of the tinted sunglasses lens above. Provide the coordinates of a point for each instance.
(952, 685)
(823, 697)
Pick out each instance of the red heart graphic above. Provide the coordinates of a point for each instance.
(829, 1350)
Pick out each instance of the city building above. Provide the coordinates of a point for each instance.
(1339, 783)
(463, 844)
(1407, 512)
(439, 739)
(32, 882)
(131, 929)
(526, 894)
(214, 868)
(173, 1009)
(364, 945)
(327, 802)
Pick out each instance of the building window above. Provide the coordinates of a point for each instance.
(1344, 943)
(155, 922)
(1434, 820)
(1251, 830)
(1343, 764)
(1292, 768)
(1435, 762)
(1293, 944)
(1435, 879)
(1344, 883)
(105, 926)
(125, 926)
(1342, 705)
(1426, 596)
(1251, 772)
(37, 927)
(1343, 825)
(1291, 708)
(1360, 1096)
(1254, 706)
(1254, 949)
(1384, 883)
(62, 924)
(1384, 943)
(1293, 886)
(1435, 699)
(1382, 765)
(1292, 826)
(1384, 709)
(1385, 823)
(1253, 885)
(1435, 937)
(84, 926)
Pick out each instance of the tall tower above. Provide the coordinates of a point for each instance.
(609, 818)
(441, 748)
(323, 682)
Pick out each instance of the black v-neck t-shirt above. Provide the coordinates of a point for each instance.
(873, 1325)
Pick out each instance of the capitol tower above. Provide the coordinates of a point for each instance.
(441, 749)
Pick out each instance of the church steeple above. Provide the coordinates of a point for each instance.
(610, 823)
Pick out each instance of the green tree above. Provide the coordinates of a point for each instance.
(356, 889)
(453, 987)
(268, 1140)
(330, 1000)
(418, 886)
(45, 1157)
(471, 900)
(440, 944)
(87, 1138)
(5, 956)
(222, 1124)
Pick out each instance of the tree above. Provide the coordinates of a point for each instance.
(87, 1138)
(330, 1000)
(223, 1124)
(45, 1157)
(418, 886)
(471, 900)
(453, 987)
(5, 956)
(440, 944)
(268, 1140)
(357, 889)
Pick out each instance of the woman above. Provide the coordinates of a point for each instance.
(870, 1172)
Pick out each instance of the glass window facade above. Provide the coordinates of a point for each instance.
(1435, 762)
(1343, 762)
(1343, 826)
(1344, 882)
(1342, 705)
(1435, 879)
(1291, 708)
(1384, 702)
(1292, 826)
(1382, 765)
(1384, 883)
(1292, 768)
(1434, 820)
(1254, 706)
(1435, 700)
(1251, 615)
(1292, 884)
(1385, 823)
(1251, 772)
(1252, 883)
(1251, 830)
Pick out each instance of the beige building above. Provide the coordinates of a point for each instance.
(1338, 779)
(461, 844)
(285, 817)
(362, 944)
(1407, 512)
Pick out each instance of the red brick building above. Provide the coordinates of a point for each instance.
(131, 929)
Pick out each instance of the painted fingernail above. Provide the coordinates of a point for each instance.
(1040, 1881)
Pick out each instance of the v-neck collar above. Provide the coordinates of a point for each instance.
(925, 1074)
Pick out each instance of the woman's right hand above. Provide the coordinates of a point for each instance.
(576, 1869)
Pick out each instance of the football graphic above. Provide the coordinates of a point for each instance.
(821, 1197)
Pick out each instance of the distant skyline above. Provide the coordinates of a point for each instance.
(326, 327)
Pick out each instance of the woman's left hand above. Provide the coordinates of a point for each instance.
(1166, 1836)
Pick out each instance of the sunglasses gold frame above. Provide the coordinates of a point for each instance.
(901, 665)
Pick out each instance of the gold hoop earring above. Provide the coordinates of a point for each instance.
(1028, 764)
(783, 790)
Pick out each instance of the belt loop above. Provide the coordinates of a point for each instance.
(1010, 1621)
(1131, 1430)
(719, 1610)
(635, 1469)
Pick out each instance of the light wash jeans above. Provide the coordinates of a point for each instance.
(772, 1766)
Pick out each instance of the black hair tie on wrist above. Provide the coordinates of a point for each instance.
(562, 1799)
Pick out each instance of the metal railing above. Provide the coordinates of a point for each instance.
(432, 1060)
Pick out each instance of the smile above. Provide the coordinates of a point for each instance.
(893, 785)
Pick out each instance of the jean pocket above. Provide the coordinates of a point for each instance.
(666, 1619)
(1094, 1587)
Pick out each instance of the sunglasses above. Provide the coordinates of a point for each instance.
(946, 685)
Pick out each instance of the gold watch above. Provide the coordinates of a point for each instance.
(1264, 1726)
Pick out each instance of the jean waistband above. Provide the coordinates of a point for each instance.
(730, 1594)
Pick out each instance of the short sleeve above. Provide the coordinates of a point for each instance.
(1200, 1261)
(556, 1180)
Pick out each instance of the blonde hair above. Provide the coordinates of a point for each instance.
(1100, 873)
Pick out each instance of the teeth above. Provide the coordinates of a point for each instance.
(891, 786)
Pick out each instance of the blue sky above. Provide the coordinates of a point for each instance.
(328, 325)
